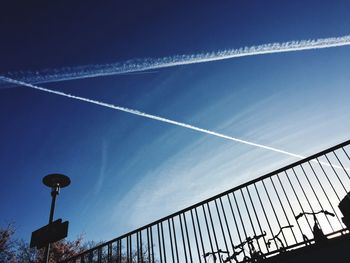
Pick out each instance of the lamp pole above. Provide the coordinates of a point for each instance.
(55, 182)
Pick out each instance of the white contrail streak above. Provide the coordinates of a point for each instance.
(161, 119)
(138, 65)
(149, 116)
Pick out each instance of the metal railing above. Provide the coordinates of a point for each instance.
(294, 206)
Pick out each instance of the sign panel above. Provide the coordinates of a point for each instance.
(49, 234)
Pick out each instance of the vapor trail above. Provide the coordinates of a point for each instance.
(149, 116)
(161, 119)
(139, 65)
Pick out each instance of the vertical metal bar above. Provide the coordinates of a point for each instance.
(302, 189)
(91, 257)
(195, 236)
(345, 153)
(284, 211)
(301, 207)
(164, 252)
(250, 218)
(206, 223)
(119, 244)
(183, 238)
(240, 216)
(137, 247)
(175, 242)
(116, 260)
(226, 223)
(127, 249)
(274, 211)
(148, 246)
(131, 255)
(171, 242)
(152, 244)
(159, 244)
(256, 217)
(290, 205)
(141, 250)
(329, 181)
(220, 221)
(234, 218)
(54, 193)
(200, 233)
(346, 191)
(263, 208)
(99, 254)
(313, 190)
(109, 253)
(324, 192)
(188, 239)
(130, 241)
(341, 164)
(212, 226)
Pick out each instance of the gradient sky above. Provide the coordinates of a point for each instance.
(127, 170)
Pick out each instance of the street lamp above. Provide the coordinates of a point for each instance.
(55, 182)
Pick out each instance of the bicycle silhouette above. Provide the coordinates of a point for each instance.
(254, 254)
(319, 236)
(213, 254)
(282, 247)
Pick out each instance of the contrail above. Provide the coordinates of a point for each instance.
(149, 116)
(162, 119)
(139, 65)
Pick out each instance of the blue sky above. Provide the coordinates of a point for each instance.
(127, 170)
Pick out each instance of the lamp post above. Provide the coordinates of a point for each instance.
(55, 182)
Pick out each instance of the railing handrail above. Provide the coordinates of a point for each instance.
(253, 181)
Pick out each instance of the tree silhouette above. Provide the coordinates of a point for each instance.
(13, 250)
(7, 244)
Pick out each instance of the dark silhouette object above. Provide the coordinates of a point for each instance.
(334, 250)
(319, 237)
(234, 256)
(344, 207)
(306, 239)
(216, 252)
(49, 234)
(7, 244)
(254, 255)
(15, 250)
(282, 247)
(55, 182)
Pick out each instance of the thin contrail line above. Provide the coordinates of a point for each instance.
(162, 119)
(149, 116)
(139, 65)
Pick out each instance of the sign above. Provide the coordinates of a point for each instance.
(49, 234)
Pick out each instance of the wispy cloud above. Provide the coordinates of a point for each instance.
(102, 174)
(205, 167)
(139, 65)
(196, 172)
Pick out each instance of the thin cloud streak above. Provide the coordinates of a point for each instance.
(150, 116)
(161, 119)
(140, 65)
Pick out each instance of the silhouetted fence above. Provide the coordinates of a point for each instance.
(290, 207)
